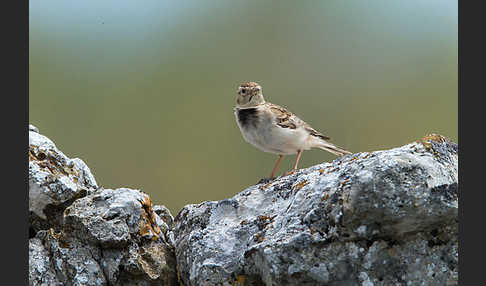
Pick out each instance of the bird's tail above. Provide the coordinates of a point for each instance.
(332, 148)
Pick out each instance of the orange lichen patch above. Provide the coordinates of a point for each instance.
(240, 279)
(321, 171)
(32, 156)
(263, 217)
(48, 161)
(435, 137)
(325, 197)
(312, 230)
(344, 182)
(366, 155)
(53, 234)
(427, 140)
(301, 184)
(263, 187)
(63, 243)
(258, 238)
(35, 154)
(148, 222)
(265, 220)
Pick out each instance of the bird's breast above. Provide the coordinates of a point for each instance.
(258, 128)
(247, 117)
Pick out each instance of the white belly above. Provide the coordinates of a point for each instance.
(269, 137)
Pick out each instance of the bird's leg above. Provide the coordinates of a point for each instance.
(267, 180)
(297, 160)
(299, 153)
(276, 166)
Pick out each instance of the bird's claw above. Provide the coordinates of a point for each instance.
(291, 172)
(265, 180)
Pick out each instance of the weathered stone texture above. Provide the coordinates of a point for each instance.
(381, 218)
(82, 234)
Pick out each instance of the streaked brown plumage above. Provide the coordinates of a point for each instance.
(272, 128)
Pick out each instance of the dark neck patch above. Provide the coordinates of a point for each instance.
(248, 116)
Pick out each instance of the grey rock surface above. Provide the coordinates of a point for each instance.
(82, 234)
(33, 128)
(381, 218)
(55, 181)
(164, 213)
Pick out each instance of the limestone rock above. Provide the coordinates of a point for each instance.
(55, 181)
(381, 218)
(82, 234)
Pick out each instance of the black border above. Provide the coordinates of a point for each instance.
(15, 142)
(471, 199)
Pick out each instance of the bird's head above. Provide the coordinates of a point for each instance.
(249, 95)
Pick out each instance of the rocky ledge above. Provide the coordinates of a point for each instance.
(82, 234)
(373, 218)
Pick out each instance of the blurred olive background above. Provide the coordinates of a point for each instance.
(143, 91)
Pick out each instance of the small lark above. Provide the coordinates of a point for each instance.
(272, 128)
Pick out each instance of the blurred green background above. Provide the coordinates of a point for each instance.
(143, 91)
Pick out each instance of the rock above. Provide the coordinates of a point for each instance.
(55, 181)
(122, 225)
(111, 217)
(164, 213)
(33, 128)
(73, 262)
(82, 234)
(41, 269)
(382, 218)
(110, 237)
(166, 223)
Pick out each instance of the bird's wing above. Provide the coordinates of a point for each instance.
(287, 119)
(283, 117)
(314, 133)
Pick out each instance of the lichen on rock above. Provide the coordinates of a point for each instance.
(363, 219)
(387, 217)
(83, 234)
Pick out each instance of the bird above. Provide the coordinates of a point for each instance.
(274, 129)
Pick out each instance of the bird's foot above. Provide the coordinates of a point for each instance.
(266, 180)
(291, 172)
